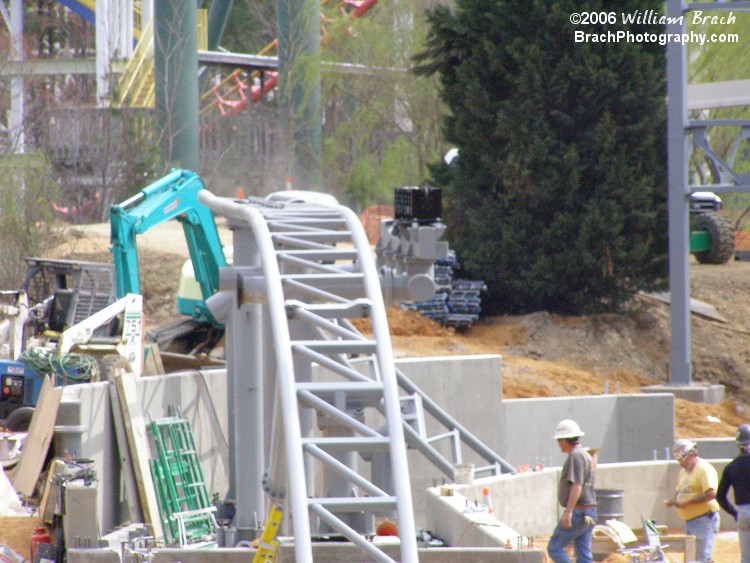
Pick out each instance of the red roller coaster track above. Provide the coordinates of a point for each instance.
(231, 97)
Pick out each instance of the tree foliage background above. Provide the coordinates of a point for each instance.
(558, 198)
(26, 222)
(714, 62)
(382, 123)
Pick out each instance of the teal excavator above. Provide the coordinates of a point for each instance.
(173, 196)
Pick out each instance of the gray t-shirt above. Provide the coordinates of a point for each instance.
(577, 469)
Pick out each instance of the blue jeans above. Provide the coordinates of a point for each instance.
(704, 528)
(579, 533)
(743, 530)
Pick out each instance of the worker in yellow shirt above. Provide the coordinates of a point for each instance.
(695, 498)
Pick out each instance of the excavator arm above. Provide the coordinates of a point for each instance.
(172, 197)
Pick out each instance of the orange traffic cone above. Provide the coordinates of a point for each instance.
(240, 193)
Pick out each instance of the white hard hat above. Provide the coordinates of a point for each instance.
(567, 429)
(683, 448)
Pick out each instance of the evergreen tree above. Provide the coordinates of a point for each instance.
(558, 197)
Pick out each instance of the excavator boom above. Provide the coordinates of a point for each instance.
(172, 197)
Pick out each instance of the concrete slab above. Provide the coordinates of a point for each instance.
(708, 393)
(346, 553)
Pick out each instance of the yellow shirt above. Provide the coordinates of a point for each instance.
(691, 484)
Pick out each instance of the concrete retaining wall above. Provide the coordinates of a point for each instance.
(611, 422)
(625, 427)
(717, 448)
(527, 502)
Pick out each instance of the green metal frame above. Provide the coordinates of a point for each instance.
(185, 508)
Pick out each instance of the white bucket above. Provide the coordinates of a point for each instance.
(464, 473)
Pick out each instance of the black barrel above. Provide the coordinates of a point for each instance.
(609, 504)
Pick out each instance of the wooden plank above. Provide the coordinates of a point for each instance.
(697, 307)
(41, 431)
(152, 364)
(140, 453)
(51, 491)
(676, 543)
(126, 462)
(174, 361)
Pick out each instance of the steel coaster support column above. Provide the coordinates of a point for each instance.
(147, 13)
(282, 341)
(298, 28)
(247, 375)
(114, 38)
(176, 76)
(218, 15)
(678, 200)
(679, 131)
(296, 480)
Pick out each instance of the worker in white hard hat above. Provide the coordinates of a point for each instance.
(575, 493)
(695, 498)
(737, 476)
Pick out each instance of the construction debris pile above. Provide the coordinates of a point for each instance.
(176, 503)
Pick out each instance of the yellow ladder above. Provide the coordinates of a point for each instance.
(268, 543)
(135, 87)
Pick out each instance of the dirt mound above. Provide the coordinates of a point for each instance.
(402, 322)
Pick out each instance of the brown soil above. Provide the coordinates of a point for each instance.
(543, 354)
(16, 532)
(546, 355)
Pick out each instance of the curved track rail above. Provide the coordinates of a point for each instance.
(314, 273)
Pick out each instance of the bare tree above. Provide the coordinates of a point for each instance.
(27, 227)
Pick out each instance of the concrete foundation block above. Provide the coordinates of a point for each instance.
(80, 521)
(218, 555)
(708, 393)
